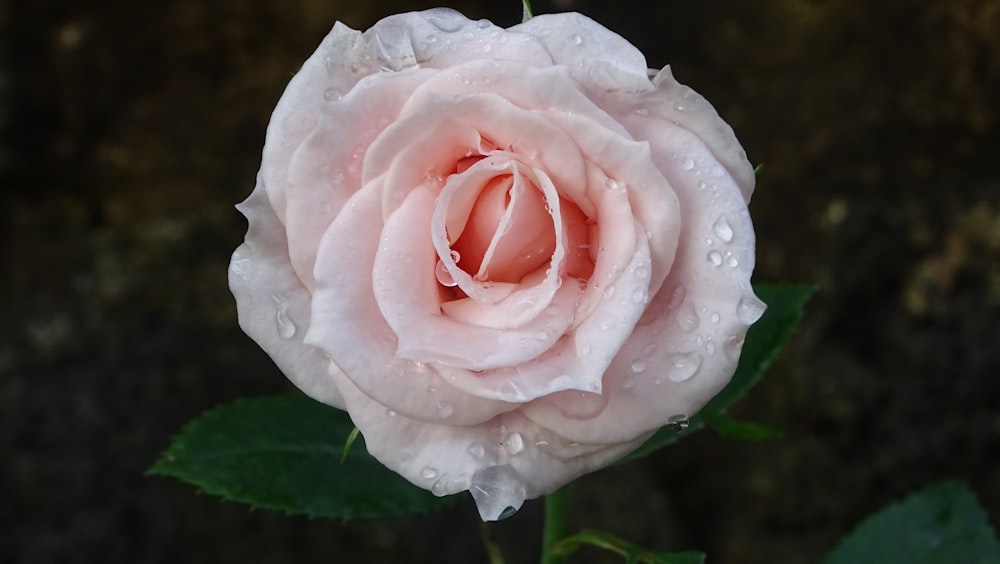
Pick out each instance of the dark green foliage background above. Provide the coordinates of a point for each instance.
(128, 130)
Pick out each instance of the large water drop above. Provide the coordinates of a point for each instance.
(498, 492)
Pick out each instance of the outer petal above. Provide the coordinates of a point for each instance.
(502, 461)
(273, 304)
(591, 51)
(687, 344)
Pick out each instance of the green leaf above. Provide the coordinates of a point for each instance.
(765, 338)
(284, 453)
(630, 551)
(740, 430)
(942, 524)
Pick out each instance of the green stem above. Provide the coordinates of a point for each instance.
(492, 548)
(554, 528)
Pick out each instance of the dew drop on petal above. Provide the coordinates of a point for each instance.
(444, 409)
(715, 257)
(286, 327)
(678, 422)
(477, 450)
(443, 276)
(628, 384)
(513, 443)
(687, 317)
(638, 296)
(687, 164)
(749, 309)
(428, 473)
(676, 297)
(638, 365)
(498, 492)
(715, 317)
(722, 229)
(440, 487)
(609, 292)
(732, 347)
(682, 366)
(390, 413)
(444, 19)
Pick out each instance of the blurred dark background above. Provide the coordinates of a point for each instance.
(129, 130)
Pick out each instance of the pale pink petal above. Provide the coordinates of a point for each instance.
(595, 55)
(407, 293)
(273, 304)
(326, 168)
(686, 347)
(348, 325)
(674, 104)
(502, 462)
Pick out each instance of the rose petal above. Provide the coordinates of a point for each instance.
(590, 47)
(408, 299)
(686, 347)
(348, 325)
(508, 458)
(273, 304)
(325, 170)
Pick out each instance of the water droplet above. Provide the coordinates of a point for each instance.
(606, 325)
(611, 184)
(483, 24)
(682, 366)
(440, 487)
(732, 262)
(444, 19)
(638, 296)
(498, 492)
(513, 443)
(702, 185)
(679, 107)
(286, 327)
(628, 384)
(687, 164)
(487, 47)
(542, 335)
(428, 473)
(687, 317)
(332, 94)
(477, 450)
(676, 296)
(749, 309)
(715, 257)
(444, 409)
(732, 347)
(576, 39)
(678, 422)
(642, 112)
(390, 413)
(715, 317)
(710, 348)
(609, 292)
(443, 276)
(455, 256)
(722, 229)
(638, 365)
(641, 272)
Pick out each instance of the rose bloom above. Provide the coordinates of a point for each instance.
(510, 254)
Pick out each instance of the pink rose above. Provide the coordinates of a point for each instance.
(510, 254)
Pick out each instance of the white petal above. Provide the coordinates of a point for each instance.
(273, 304)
